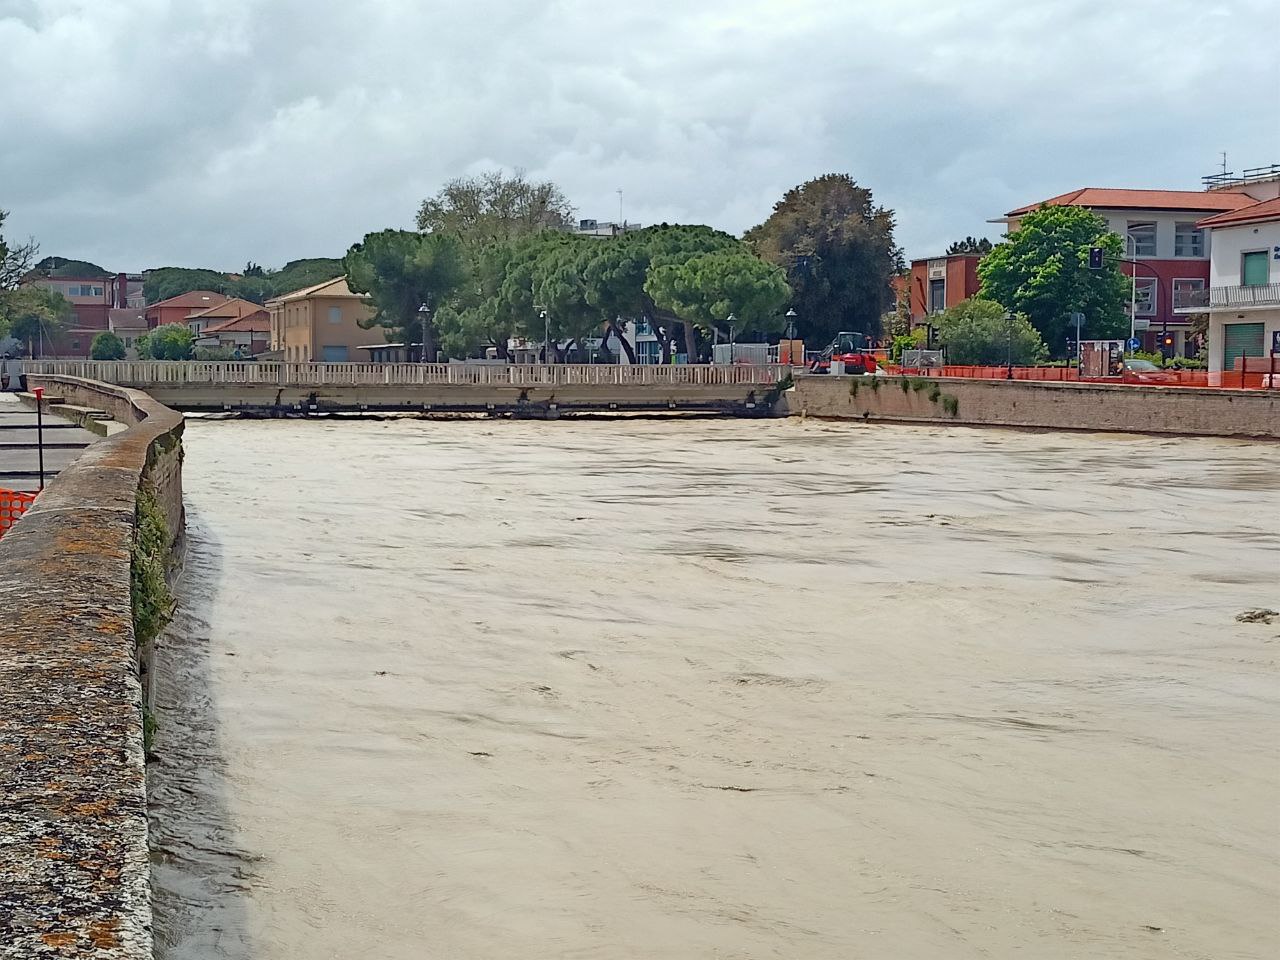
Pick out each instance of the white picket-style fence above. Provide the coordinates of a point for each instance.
(177, 373)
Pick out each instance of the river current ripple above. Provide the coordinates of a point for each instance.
(718, 689)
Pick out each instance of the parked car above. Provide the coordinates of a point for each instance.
(1144, 371)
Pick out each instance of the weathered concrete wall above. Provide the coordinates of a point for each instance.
(230, 396)
(73, 828)
(1059, 406)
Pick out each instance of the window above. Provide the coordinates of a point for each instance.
(1143, 235)
(1187, 240)
(1253, 269)
(1146, 296)
(1189, 293)
(937, 296)
(648, 351)
(335, 314)
(643, 329)
(330, 354)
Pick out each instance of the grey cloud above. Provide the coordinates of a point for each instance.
(147, 132)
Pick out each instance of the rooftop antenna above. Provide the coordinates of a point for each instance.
(621, 222)
(1224, 164)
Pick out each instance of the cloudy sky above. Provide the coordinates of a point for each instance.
(141, 133)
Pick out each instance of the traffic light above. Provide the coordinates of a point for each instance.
(1095, 258)
(1167, 342)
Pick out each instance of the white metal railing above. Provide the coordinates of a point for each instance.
(1260, 295)
(177, 373)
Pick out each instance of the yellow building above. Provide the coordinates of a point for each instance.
(321, 324)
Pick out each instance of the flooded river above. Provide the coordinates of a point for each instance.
(719, 689)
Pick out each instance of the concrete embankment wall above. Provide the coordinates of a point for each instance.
(73, 827)
(1058, 406)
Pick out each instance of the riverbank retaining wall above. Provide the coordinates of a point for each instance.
(1057, 406)
(74, 877)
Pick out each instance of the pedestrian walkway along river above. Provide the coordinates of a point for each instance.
(718, 689)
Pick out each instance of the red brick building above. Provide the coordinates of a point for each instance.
(177, 309)
(938, 283)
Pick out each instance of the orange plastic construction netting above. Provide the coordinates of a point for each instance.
(13, 504)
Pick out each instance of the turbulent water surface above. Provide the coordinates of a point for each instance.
(719, 689)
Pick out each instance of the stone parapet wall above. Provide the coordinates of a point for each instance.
(74, 876)
(1057, 406)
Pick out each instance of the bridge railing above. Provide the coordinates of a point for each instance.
(178, 373)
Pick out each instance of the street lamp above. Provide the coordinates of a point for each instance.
(791, 323)
(731, 320)
(546, 336)
(424, 312)
(1008, 327)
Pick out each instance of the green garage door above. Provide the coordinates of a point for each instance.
(1240, 339)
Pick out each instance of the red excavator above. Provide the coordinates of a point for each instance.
(851, 349)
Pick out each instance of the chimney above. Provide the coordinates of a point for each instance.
(122, 291)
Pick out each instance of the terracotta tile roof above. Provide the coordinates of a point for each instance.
(227, 308)
(1201, 201)
(337, 287)
(1259, 212)
(194, 300)
(258, 322)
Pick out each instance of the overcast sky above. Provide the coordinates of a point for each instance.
(142, 133)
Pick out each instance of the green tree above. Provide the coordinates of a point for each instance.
(16, 259)
(106, 346)
(163, 283)
(1042, 271)
(172, 341)
(408, 276)
(970, 245)
(708, 288)
(494, 207)
(839, 254)
(982, 332)
(36, 316)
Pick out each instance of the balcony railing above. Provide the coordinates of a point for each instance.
(1226, 298)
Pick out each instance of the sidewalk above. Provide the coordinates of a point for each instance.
(19, 458)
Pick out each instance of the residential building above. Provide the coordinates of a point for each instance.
(1243, 299)
(220, 313)
(599, 228)
(938, 283)
(1162, 233)
(128, 323)
(177, 309)
(322, 324)
(248, 336)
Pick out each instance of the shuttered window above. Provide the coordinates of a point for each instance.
(1240, 339)
(1253, 269)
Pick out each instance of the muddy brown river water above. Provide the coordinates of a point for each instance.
(719, 690)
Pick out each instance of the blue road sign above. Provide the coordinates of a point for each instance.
(1134, 343)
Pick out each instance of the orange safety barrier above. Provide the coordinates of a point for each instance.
(1256, 376)
(13, 504)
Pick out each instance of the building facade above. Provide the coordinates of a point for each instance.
(1243, 299)
(232, 309)
(177, 309)
(246, 336)
(1170, 249)
(321, 324)
(938, 283)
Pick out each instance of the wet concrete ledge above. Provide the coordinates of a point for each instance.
(1175, 411)
(74, 875)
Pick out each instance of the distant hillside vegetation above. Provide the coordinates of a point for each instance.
(255, 283)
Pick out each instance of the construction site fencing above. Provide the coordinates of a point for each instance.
(170, 373)
(1255, 374)
(13, 504)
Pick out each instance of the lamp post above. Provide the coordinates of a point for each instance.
(1008, 331)
(791, 323)
(424, 312)
(546, 336)
(1133, 287)
(731, 320)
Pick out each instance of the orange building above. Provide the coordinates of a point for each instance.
(177, 309)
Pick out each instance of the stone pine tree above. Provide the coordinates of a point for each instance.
(1042, 272)
(837, 248)
(408, 276)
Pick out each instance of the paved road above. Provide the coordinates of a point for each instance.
(19, 459)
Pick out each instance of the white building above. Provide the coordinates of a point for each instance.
(1243, 299)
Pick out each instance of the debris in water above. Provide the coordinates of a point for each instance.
(1258, 616)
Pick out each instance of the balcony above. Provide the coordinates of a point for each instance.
(1227, 298)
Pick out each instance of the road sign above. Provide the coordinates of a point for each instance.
(1134, 343)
